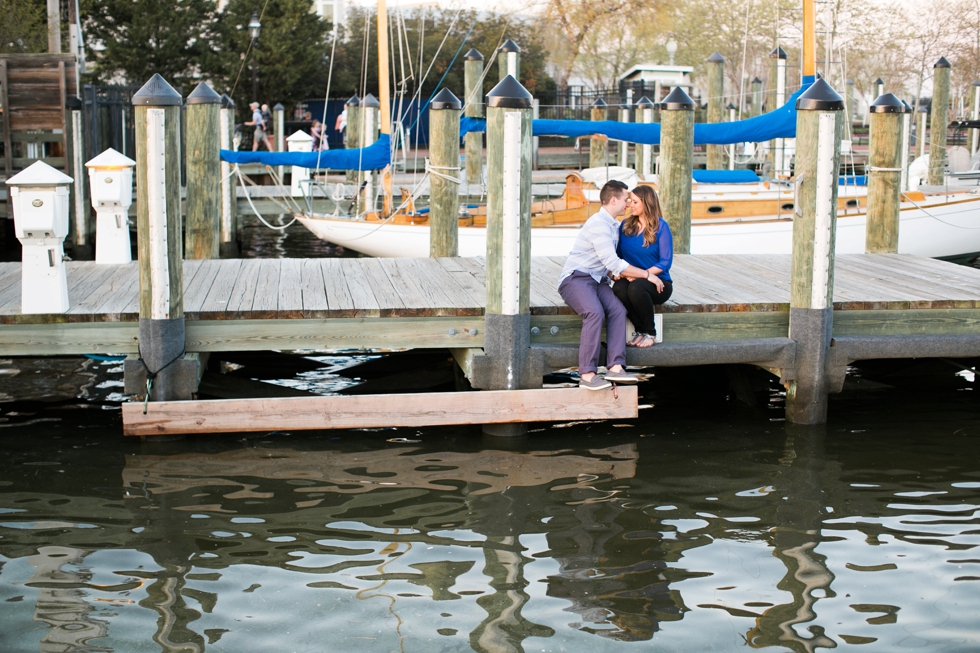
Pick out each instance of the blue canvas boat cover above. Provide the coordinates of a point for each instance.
(725, 176)
(779, 123)
(373, 157)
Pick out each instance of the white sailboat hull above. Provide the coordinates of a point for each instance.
(938, 229)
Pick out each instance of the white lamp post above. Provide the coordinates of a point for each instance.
(39, 196)
(111, 188)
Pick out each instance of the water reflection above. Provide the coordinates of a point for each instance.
(799, 541)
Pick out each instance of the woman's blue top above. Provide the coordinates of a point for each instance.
(660, 254)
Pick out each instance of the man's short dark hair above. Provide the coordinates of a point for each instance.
(612, 189)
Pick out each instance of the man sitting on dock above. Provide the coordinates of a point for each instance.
(584, 285)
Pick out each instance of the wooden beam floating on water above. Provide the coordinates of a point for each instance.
(377, 411)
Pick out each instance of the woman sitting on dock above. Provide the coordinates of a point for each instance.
(645, 242)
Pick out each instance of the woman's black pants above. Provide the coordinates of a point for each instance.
(639, 297)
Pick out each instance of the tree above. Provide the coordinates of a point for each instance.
(130, 40)
(24, 27)
(290, 56)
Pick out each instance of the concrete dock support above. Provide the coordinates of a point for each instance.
(644, 163)
(598, 145)
(161, 371)
(203, 167)
(716, 104)
(819, 124)
(509, 60)
(940, 119)
(228, 247)
(444, 178)
(676, 165)
(508, 317)
(884, 175)
(473, 81)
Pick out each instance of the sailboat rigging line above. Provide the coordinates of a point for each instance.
(948, 224)
(326, 101)
(742, 77)
(251, 42)
(256, 211)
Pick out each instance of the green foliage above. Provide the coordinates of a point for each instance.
(24, 27)
(133, 39)
(422, 32)
(290, 57)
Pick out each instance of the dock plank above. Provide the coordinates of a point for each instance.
(313, 290)
(266, 300)
(390, 303)
(441, 287)
(340, 297)
(475, 294)
(196, 290)
(88, 305)
(290, 289)
(215, 305)
(407, 289)
(243, 292)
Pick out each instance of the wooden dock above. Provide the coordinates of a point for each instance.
(363, 303)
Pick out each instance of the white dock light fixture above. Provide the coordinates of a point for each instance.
(111, 187)
(39, 196)
(299, 141)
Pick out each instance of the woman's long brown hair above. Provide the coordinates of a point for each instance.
(651, 211)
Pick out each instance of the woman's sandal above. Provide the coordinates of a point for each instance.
(637, 338)
(646, 341)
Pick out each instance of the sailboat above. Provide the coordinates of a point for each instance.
(754, 217)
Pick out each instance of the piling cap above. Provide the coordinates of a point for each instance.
(370, 102)
(908, 107)
(227, 102)
(473, 55)
(278, 107)
(509, 94)
(677, 100)
(72, 102)
(299, 136)
(445, 99)
(599, 103)
(756, 80)
(942, 63)
(156, 93)
(509, 46)
(850, 82)
(778, 53)
(203, 94)
(354, 101)
(111, 159)
(39, 173)
(974, 83)
(879, 81)
(644, 103)
(923, 109)
(820, 97)
(887, 103)
(716, 58)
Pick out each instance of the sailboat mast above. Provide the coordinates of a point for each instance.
(384, 93)
(809, 39)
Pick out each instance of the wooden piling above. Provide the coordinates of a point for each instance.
(676, 165)
(473, 80)
(509, 60)
(974, 115)
(228, 245)
(716, 103)
(940, 118)
(644, 163)
(444, 178)
(756, 96)
(161, 305)
(598, 145)
(352, 133)
(777, 147)
(367, 120)
(884, 175)
(819, 124)
(508, 267)
(921, 133)
(203, 229)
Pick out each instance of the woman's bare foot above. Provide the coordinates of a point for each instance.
(646, 341)
(637, 337)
